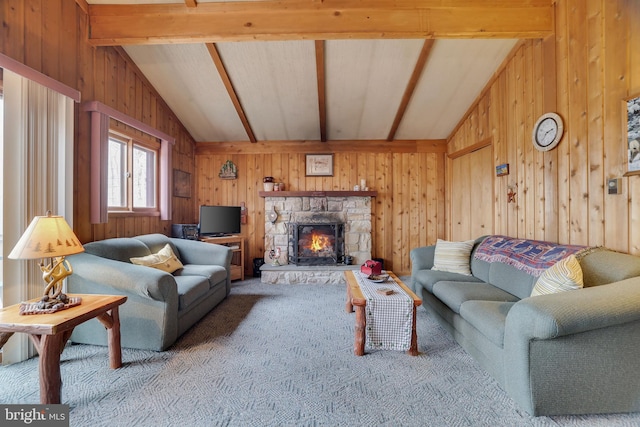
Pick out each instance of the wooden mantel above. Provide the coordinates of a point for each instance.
(317, 193)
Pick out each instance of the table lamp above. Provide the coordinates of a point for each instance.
(49, 237)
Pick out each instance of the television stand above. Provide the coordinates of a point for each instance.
(236, 243)
(208, 236)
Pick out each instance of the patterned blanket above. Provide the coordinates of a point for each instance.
(389, 317)
(530, 256)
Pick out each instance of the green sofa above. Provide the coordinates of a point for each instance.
(160, 306)
(573, 352)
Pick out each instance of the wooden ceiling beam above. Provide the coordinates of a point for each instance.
(411, 86)
(318, 20)
(217, 60)
(322, 99)
(334, 146)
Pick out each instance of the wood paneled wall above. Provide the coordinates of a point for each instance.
(409, 178)
(584, 73)
(50, 36)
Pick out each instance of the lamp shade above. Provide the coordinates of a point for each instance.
(46, 237)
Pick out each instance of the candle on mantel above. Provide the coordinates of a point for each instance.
(363, 184)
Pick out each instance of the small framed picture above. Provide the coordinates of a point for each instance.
(181, 183)
(633, 134)
(319, 164)
(502, 169)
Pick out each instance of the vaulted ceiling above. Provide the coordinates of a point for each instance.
(301, 70)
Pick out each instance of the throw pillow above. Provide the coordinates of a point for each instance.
(164, 260)
(453, 256)
(565, 275)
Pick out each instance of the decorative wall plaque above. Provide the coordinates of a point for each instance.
(228, 171)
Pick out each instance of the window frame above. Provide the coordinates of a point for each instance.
(130, 142)
(101, 115)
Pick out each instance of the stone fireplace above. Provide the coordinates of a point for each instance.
(340, 223)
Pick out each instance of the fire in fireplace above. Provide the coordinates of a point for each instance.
(317, 244)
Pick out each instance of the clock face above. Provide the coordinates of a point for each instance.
(547, 132)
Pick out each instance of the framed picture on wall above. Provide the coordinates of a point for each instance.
(319, 164)
(633, 135)
(181, 183)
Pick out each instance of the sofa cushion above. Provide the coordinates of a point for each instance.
(510, 279)
(565, 275)
(428, 278)
(214, 273)
(453, 257)
(157, 241)
(118, 249)
(164, 260)
(191, 289)
(604, 266)
(453, 294)
(488, 317)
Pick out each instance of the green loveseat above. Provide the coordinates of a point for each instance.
(574, 352)
(160, 306)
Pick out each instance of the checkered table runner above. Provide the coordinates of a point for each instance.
(389, 317)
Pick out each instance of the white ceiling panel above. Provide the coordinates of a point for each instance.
(277, 86)
(454, 76)
(186, 78)
(365, 83)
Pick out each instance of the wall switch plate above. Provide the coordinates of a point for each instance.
(614, 185)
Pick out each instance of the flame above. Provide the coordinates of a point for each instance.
(318, 242)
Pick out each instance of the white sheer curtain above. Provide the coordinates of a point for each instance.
(38, 176)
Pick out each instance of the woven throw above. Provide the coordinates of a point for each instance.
(531, 256)
(32, 307)
(389, 317)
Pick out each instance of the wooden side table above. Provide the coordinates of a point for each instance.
(236, 243)
(357, 299)
(50, 332)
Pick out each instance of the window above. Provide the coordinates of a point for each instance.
(108, 123)
(132, 175)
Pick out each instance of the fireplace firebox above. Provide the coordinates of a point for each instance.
(316, 244)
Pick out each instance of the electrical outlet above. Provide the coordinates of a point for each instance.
(614, 185)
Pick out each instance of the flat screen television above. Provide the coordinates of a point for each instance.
(219, 220)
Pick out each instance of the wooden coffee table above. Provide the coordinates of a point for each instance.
(355, 298)
(50, 332)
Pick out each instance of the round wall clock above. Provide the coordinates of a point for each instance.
(547, 131)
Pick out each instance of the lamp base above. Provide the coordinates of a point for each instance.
(47, 302)
(53, 274)
(53, 299)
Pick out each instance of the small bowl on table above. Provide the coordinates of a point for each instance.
(378, 278)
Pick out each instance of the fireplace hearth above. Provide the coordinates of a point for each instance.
(316, 244)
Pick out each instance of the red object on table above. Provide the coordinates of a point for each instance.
(371, 267)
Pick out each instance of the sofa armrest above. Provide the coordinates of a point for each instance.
(572, 352)
(573, 312)
(127, 278)
(201, 253)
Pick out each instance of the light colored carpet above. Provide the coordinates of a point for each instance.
(282, 355)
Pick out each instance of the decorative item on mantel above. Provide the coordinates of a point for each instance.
(274, 255)
(228, 171)
(49, 237)
(268, 183)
